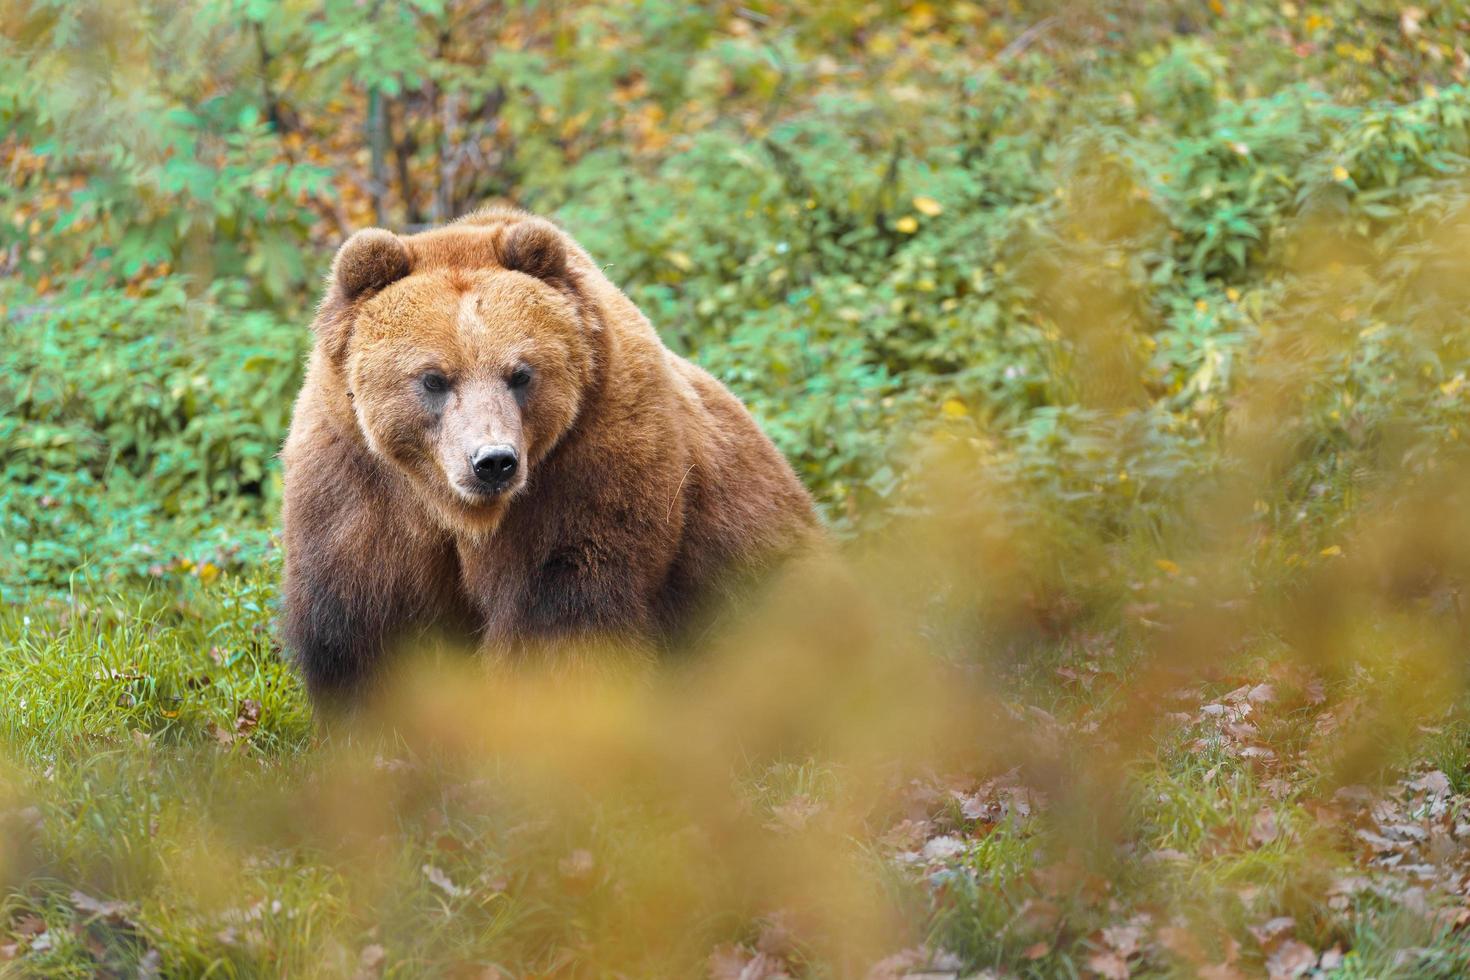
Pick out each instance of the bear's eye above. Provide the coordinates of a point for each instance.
(519, 378)
(434, 383)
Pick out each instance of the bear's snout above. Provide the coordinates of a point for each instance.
(494, 467)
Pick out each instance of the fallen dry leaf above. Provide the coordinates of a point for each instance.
(739, 963)
(370, 962)
(1340, 893)
(777, 936)
(1269, 933)
(943, 848)
(28, 925)
(1263, 827)
(1181, 941)
(1109, 965)
(1040, 916)
(1435, 784)
(1125, 940)
(1291, 959)
(1165, 855)
(1276, 787)
(1221, 971)
(118, 912)
(577, 866)
(727, 962)
(439, 879)
(247, 717)
(794, 814)
(906, 835)
(896, 966)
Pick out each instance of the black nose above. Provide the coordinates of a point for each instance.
(494, 465)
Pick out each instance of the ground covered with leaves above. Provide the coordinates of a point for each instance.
(1124, 347)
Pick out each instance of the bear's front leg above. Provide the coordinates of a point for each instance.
(336, 628)
(362, 571)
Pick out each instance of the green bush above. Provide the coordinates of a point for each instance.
(133, 413)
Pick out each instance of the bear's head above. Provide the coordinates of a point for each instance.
(465, 354)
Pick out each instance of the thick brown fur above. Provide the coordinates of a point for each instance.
(644, 486)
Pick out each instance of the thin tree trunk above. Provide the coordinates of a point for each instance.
(404, 145)
(449, 156)
(377, 126)
(274, 111)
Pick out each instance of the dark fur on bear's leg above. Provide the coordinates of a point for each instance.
(341, 621)
(337, 645)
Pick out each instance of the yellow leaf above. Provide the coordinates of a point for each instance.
(921, 16)
(908, 224)
(929, 206)
(1340, 174)
(954, 408)
(1166, 566)
(1232, 294)
(680, 261)
(1331, 552)
(208, 572)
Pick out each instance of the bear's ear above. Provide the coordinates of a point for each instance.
(536, 248)
(369, 260)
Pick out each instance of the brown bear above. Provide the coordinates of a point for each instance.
(492, 438)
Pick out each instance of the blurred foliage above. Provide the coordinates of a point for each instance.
(1125, 340)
